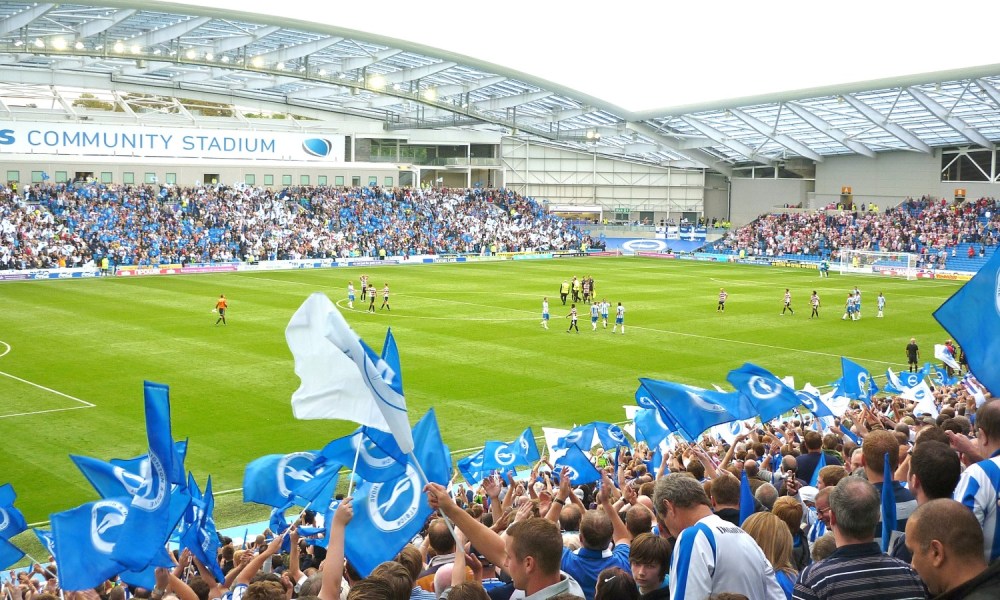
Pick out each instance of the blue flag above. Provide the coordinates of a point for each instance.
(140, 464)
(893, 384)
(272, 479)
(610, 435)
(390, 354)
(888, 504)
(11, 520)
(394, 511)
(471, 467)
(814, 402)
(499, 456)
(688, 410)
(856, 381)
(747, 506)
(9, 554)
(580, 469)
(527, 447)
(47, 540)
(910, 380)
(374, 463)
(847, 431)
(942, 378)
(766, 393)
(187, 529)
(208, 537)
(148, 525)
(650, 426)
(86, 537)
(819, 465)
(111, 480)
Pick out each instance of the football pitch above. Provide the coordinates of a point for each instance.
(75, 354)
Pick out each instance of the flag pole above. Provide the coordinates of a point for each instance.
(357, 453)
(39, 563)
(420, 471)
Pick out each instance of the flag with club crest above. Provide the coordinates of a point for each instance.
(924, 398)
(272, 479)
(11, 520)
(395, 510)
(85, 538)
(972, 317)
(378, 456)
(650, 426)
(811, 398)
(527, 447)
(762, 390)
(687, 410)
(148, 524)
(341, 377)
(579, 469)
(856, 382)
(471, 467)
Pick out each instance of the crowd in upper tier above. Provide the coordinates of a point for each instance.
(69, 225)
(927, 226)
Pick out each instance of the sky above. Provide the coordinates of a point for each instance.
(655, 55)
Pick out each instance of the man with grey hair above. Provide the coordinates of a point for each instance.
(711, 555)
(766, 495)
(857, 568)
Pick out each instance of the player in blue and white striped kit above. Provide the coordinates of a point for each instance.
(595, 313)
(605, 307)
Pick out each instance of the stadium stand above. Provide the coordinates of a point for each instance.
(961, 237)
(71, 225)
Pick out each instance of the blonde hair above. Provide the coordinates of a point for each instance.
(774, 538)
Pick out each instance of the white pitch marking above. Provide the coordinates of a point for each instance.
(41, 387)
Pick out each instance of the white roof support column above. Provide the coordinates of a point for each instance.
(883, 121)
(96, 26)
(700, 158)
(780, 138)
(24, 18)
(720, 138)
(823, 127)
(963, 128)
(170, 32)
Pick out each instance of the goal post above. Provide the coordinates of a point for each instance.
(870, 262)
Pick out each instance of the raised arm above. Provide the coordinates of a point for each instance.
(621, 534)
(482, 537)
(333, 564)
(251, 569)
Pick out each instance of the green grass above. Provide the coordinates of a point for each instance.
(469, 339)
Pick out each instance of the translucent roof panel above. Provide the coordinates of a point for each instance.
(215, 54)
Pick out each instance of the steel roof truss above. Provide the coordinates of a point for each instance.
(951, 120)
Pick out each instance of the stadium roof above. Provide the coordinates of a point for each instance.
(241, 58)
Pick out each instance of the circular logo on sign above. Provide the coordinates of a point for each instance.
(105, 517)
(919, 394)
(523, 444)
(644, 245)
(4, 519)
(573, 437)
(391, 509)
(735, 427)
(293, 471)
(762, 388)
(153, 491)
(571, 473)
(615, 433)
(373, 456)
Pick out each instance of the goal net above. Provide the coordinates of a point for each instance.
(868, 262)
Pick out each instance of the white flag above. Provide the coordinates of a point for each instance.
(944, 355)
(924, 397)
(339, 379)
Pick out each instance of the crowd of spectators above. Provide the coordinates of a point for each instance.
(673, 528)
(928, 227)
(69, 225)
